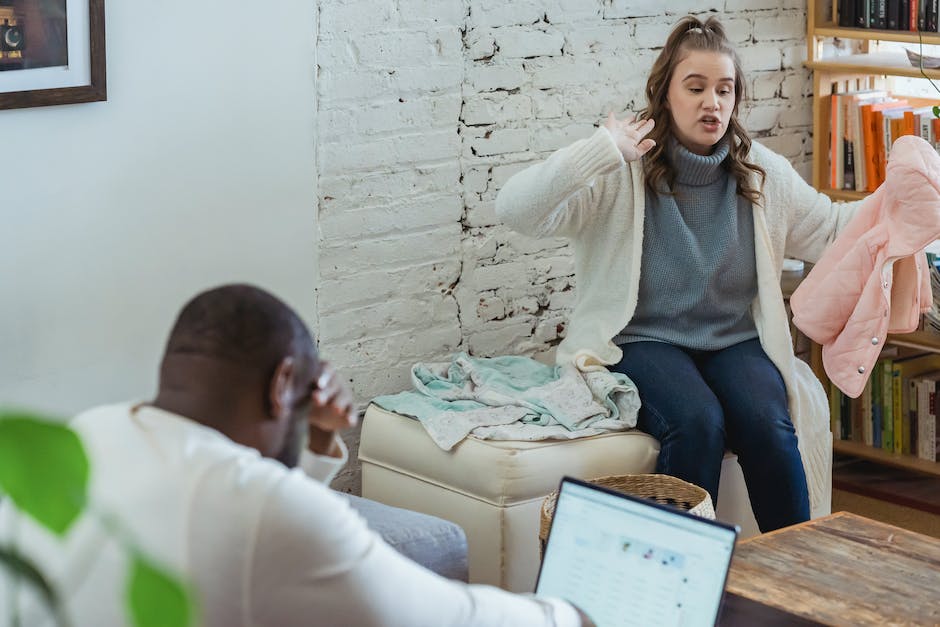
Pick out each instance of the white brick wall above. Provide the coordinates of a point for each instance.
(427, 107)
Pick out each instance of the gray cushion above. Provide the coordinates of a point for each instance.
(437, 544)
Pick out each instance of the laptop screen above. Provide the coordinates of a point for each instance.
(625, 561)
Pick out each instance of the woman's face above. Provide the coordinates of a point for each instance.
(701, 99)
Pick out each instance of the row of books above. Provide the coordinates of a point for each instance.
(931, 320)
(897, 411)
(864, 125)
(909, 15)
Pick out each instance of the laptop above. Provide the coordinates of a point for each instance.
(628, 561)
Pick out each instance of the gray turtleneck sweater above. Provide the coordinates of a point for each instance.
(698, 274)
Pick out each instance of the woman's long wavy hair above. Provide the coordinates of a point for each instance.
(688, 35)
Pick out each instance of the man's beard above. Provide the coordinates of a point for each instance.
(294, 444)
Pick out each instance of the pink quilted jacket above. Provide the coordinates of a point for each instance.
(873, 279)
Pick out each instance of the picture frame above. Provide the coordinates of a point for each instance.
(52, 52)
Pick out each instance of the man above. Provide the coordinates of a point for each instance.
(193, 477)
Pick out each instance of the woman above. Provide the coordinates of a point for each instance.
(680, 226)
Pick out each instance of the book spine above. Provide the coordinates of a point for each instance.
(858, 146)
(845, 417)
(905, 412)
(876, 410)
(887, 407)
(897, 413)
(911, 416)
(880, 14)
(861, 13)
(835, 143)
(847, 13)
(933, 429)
(867, 433)
(894, 14)
(869, 150)
(923, 414)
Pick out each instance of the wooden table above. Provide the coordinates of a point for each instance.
(842, 570)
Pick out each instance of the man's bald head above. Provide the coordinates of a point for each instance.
(242, 362)
(242, 325)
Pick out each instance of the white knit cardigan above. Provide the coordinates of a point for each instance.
(585, 192)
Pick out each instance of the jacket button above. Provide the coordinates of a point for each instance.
(874, 340)
(885, 284)
(861, 369)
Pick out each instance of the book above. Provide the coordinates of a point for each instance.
(835, 411)
(909, 432)
(862, 13)
(925, 445)
(845, 418)
(879, 14)
(887, 406)
(897, 408)
(905, 370)
(881, 137)
(836, 130)
(853, 165)
(876, 403)
(867, 427)
(846, 10)
(894, 14)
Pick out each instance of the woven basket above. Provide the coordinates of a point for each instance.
(659, 488)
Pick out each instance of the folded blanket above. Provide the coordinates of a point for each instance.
(514, 398)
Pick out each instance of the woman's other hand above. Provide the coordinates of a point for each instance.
(629, 136)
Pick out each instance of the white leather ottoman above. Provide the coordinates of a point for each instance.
(493, 489)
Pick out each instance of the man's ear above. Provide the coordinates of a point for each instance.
(280, 392)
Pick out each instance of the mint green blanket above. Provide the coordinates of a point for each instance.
(514, 398)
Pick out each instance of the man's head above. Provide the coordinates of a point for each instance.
(241, 361)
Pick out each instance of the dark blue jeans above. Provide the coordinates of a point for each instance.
(698, 403)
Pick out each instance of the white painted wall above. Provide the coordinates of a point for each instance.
(198, 170)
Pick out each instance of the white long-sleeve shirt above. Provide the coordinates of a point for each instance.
(260, 544)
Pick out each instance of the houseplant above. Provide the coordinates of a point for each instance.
(44, 472)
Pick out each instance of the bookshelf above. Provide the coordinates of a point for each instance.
(871, 68)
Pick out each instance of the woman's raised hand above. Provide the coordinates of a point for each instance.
(628, 135)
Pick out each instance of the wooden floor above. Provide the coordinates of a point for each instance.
(893, 496)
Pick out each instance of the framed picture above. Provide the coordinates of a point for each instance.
(51, 52)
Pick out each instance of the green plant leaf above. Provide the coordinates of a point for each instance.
(43, 469)
(936, 111)
(155, 597)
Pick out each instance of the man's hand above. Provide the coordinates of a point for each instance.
(332, 410)
(628, 135)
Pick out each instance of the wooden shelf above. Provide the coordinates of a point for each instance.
(844, 194)
(924, 340)
(873, 34)
(878, 63)
(908, 462)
